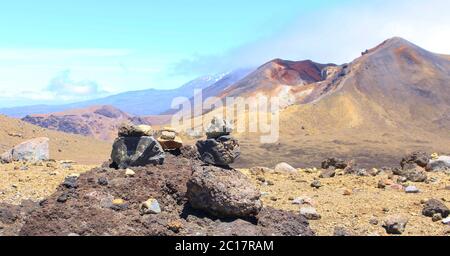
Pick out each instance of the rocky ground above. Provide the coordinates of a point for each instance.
(24, 181)
(50, 199)
(355, 204)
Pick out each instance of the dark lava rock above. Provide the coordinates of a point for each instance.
(70, 182)
(102, 181)
(334, 162)
(419, 158)
(340, 231)
(222, 151)
(63, 198)
(415, 174)
(328, 173)
(136, 151)
(434, 206)
(89, 213)
(223, 192)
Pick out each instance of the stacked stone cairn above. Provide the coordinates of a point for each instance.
(220, 148)
(136, 146)
(169, 139)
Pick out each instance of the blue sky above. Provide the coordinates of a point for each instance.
(60, 51)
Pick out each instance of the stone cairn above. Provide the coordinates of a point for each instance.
(136, 146)
(220, 148)
(169, 139)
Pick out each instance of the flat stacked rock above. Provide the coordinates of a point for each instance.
(220, 148)
(169, 139)
(136, 146)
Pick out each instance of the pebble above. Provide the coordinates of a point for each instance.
(103, 181)
(446, 221)
(373, 221)
(62, 198)
(412, 190)
(129, 173)
(436, 217)
(316, 184)
(303, 200)
(348, 192)
(310, 213)
(151, 206)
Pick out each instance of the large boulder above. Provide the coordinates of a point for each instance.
(223, 192)
(33, 150)
(222, 151)
(136, 151)
(442, 163)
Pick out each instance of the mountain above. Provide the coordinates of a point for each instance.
(100, 122)
(392, 100)
(142, 103)
(63, 146)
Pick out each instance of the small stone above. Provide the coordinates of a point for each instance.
(74, 175)
(73, 234)
(151, 206)
(412, 190)
(63, 198)
(119, 204)
(347, 192)
(396, 187)
(310, 213)
(102, 181)
(118, 201)
(373, 221)
(285, 168)
(395, 224)
(328, 173)
(129, 173)
(70, 182)
(23, 168)
(175, 226)
(446, 221)
(316, 184)
(436, 217)
(341, 231)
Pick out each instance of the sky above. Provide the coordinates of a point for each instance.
(53, 52)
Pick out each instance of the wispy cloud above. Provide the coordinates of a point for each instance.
(339, 34)
(63, 86)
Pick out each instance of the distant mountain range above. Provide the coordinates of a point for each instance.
(142, 103)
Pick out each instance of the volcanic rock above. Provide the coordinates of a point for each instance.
(221, 151)
(419, 158)
(310, 213)
(223, 193)
(413, 173)
(395, 224)
(136, 151)
(334, 162)
(434, 206)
